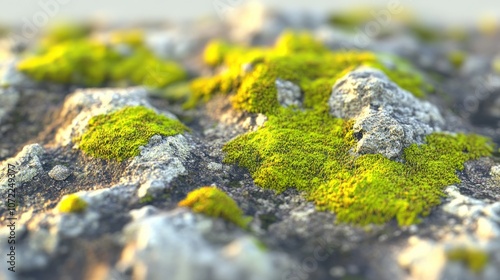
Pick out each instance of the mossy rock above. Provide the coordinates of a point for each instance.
(118, 135)
(309, 151)
(214, 202)
(474, 259)
(70, 59)
(250, 73)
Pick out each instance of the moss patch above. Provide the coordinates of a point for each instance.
(474, 259)
(72, 204)
(309, 151)
(118, 135)
(213, 202)
(250, 73)
(457, 58)
(66, 59)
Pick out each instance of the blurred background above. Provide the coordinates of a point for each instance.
(450, 11)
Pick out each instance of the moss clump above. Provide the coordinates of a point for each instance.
(213, 202)
(309, 151)
(457, 58)
(118, 135)
(72, 204)
(250, 73)
(474, 259)
(88, 62)
(146, 199)
(495, 65)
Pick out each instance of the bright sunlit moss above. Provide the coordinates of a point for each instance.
(119, 135)
(72, 59)
(212, 201)
(250, 73)
(72, 204)
(309, 151)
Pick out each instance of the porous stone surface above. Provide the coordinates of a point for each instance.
(387, 119)
(59, 172)
(289, 94)
(8, 100)
(191, 255)
(26, 165)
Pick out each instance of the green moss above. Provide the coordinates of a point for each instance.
(250, 74)
(146, 199)
(351, 19)
(62, 32)
(213, 202)
(474, 259)
(88, 62)
(456, 58)
(72, 204)
(309, 151)
(118, 135)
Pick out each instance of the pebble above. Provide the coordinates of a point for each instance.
(59, 173)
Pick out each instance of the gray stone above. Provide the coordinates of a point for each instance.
(289, 94)
(59, 173)
(158, 164)
(495, 172)
(387, 118)
(173, 244)
(27, 165)
(9, 76)
(8, 100)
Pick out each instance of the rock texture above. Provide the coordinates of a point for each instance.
(387, 118)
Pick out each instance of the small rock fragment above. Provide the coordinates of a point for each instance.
(59, 173)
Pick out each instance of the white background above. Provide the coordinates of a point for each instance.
(451, 11)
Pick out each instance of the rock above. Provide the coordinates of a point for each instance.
(36, 250)
(8, 100)
(487, 228)
(289, 94)
(84, 104)
(387, 118)
(27, 165)
(59, 173)
(495, 172)
(9, 76)
(174, 244)
(158, 164)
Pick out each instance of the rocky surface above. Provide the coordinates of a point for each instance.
(387, 118)
(132, 227)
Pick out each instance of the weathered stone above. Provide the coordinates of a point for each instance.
(289, 94)
(387, 118)
(173, 244)
(59, 172)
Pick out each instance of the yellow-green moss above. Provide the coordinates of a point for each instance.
(72, 204)
(118, 135)
(250, 73)
(309, 151)
(88, 62)
(474, 259)
(456, 58)
(214, 202)
(62, 32)
(495, 65)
